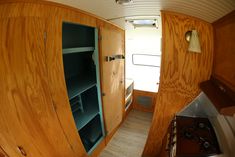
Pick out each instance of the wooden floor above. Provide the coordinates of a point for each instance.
(130, 138)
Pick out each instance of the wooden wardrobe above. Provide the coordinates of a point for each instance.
(35, 117)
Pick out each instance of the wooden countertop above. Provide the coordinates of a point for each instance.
(220, 95)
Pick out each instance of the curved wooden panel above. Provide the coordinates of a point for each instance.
(28, 119)
(35, 112)
(181, 72)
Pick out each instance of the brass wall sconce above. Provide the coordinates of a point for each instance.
(193, 39)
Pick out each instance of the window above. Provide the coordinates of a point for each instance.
(146, 60)
(143, 58)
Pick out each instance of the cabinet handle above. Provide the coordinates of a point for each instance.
(120, 57)
(22, 151)
(111, 58)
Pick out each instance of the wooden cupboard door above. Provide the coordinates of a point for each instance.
(28, 123)
(112, 43)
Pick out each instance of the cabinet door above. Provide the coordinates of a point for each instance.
(112, 43)
(28, 123)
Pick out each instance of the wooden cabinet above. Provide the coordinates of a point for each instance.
(35, 117)
(28, 122)
(112, 43)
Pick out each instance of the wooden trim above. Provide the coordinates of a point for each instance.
(110, 135)
(98, 149)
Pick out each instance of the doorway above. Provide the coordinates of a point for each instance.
(143, 60)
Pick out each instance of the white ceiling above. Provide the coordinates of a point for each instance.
(208, 10)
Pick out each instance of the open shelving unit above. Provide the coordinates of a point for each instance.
(81, 71)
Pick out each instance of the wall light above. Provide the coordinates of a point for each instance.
(144, 23)
(193, 39)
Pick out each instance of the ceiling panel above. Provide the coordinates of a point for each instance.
(208, 10)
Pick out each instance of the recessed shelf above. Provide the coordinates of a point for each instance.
(81, 72)
(91, 133)
(77, 49)
(76, 85)
(82, 118)
(90, 109)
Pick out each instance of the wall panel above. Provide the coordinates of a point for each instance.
(224, 58)
(181, 72)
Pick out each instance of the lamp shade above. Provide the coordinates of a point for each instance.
(194, 44)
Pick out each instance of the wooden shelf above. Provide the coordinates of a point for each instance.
(80, 60)
(91, 109)
(77, 49)
(82, 118)
(76, 85)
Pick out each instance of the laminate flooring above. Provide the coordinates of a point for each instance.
(130, 138)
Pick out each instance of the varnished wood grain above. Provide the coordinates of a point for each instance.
(31, 49)
(27, 116)
(57, 84)
(181, 72)
(130, 138)
(140, 107)
(224, 58)
(112, 75)
(3, 153)
(111, 134)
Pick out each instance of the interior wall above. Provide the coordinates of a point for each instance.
(181, 72)
(224, 47)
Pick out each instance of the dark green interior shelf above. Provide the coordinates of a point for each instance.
(76, 85)
(78, 49)
(81, 71)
